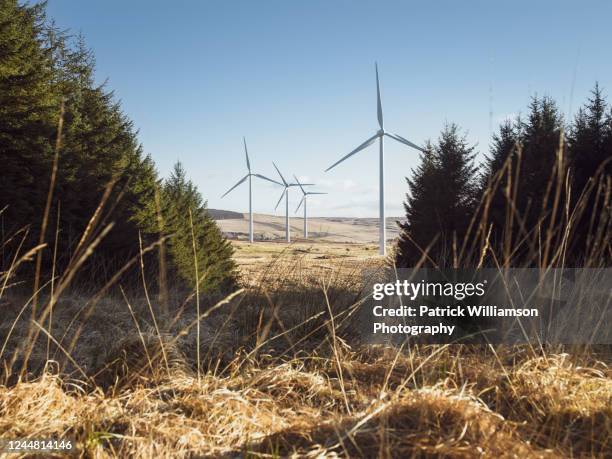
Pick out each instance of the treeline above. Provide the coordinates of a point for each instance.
(102, 176)
(542, 197)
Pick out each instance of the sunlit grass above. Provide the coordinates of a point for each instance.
(280, 370)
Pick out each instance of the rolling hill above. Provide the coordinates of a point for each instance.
(328, 229)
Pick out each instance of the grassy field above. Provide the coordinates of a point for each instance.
(311, 256)
(279, 374)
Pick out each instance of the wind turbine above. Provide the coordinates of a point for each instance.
(380, 136)
(249, 176)
(285, 193)
(305, 200)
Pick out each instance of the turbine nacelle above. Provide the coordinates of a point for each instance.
(249, 173)
(304, 192)
(380, 133)
(286, 185)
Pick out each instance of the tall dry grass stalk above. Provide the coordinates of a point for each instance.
(276, 369)
(162, 280)
(197, 293)
(547, 243)
(45, 219)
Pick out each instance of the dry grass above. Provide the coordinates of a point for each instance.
(553, 407)
(275, 384)
(280, 373)
(317, 258)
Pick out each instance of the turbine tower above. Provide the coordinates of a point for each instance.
(285, 194)
(381, 167)
(249, 176)
(305, 201)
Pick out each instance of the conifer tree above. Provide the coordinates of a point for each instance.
(503, 153)
(590, 151)
(184, 212)
(537, 139)
(541, 141)
(503, 144)
(419, 228)
(41, 66)
(29, 111)
(440, 202)
(590, 139)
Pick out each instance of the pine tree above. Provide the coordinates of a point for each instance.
(29, 109)
(419, 228)
(185, 211)
(39, 67)
(590, 140)
(590, 151)
(99, 146)
(532, 147)
(440, 202)
(541, 140)
(503, 145)
(503, 153)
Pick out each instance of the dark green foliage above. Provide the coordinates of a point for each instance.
(523, 188)
(541, 142)
(440, 203)
(29, 109)
(498, 167)
(590, 151)
(590, 139)
(184, 210)
(41, 66)
(504, 145)
(519, 174)
(538, 159)
(421, 225)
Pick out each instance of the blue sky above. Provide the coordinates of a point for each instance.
(297, 79)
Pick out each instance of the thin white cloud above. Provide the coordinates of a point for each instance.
(348, 184)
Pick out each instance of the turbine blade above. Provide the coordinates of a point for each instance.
(315, 192)
(239, 183)
(247, 155)
(281, 175)
(281, 198)
(298, 182)
(379, 103)
(268, 179)
(365, 144)
(300, 204)
(400, 139)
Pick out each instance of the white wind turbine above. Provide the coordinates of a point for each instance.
(380, 136)
(249, 176)
(305, 201)
(285, 194)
